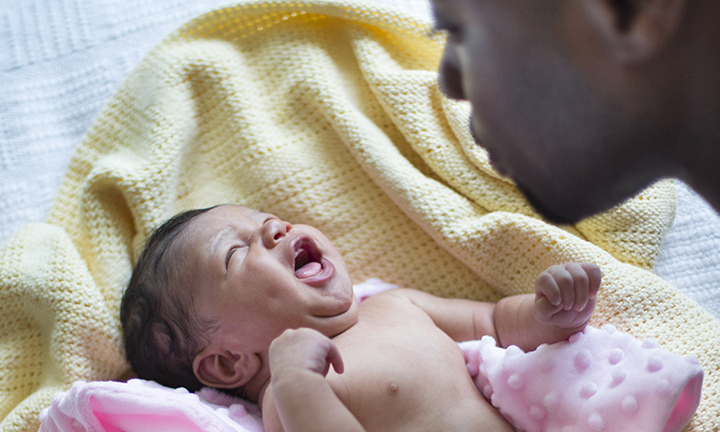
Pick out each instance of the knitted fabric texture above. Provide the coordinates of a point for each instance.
(325, 113)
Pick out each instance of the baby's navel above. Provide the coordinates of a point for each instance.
(393, 388)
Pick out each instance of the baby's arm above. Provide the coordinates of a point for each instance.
(562, 305)
(524, 320)
(301, 398)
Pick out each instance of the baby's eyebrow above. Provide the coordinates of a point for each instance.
(265, 216)
(217, 241)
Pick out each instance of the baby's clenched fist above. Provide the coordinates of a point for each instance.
(565, 294)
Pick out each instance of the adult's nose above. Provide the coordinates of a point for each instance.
(273, 231)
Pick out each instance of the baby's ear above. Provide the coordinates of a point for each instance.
(222, 368)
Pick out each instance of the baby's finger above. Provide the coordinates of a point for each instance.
(580, 282)
(564, 281)
(546, 287)
(594, 275)
(334, 358)
(543, 310)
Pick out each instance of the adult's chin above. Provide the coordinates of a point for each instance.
(558, 207)
(486, 143)
(565, 211)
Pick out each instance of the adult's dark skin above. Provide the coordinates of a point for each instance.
(584, 103)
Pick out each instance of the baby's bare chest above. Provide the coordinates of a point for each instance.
(403, 373)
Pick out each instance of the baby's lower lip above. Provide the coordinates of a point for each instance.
(328, 270)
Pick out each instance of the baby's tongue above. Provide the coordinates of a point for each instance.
(308, 270)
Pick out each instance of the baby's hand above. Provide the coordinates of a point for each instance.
(565, 294)
(304, 349)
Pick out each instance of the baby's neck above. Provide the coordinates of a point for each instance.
(260, 396)
(254, 390)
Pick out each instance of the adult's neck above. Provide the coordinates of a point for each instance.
(699, 150)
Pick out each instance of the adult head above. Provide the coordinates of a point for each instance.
(583, 103)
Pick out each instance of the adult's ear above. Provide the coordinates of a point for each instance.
(636, 30)
(222, 368)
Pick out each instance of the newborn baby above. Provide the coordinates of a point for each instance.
(237, 299)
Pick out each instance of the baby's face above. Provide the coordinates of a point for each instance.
(256, 276)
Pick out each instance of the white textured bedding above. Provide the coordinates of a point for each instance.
(60, 60)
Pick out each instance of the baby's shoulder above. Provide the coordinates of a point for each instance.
(391, 297)
(372, 287)
(391, 309)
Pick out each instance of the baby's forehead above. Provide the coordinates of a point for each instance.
(182, 259)
(222, 214)
(232, 213)
(203, 233)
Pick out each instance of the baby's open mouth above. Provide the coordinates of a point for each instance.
(308, 259)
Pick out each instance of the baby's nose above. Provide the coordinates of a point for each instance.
(274, 230)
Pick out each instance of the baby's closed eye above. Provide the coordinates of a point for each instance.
(230, 254)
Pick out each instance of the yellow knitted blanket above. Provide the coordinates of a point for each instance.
(327, 113)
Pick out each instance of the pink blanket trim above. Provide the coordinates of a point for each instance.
(146, 406)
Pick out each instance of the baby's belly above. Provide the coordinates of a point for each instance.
(411, 379)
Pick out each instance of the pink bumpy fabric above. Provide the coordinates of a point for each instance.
(146, 406)
(598, 380)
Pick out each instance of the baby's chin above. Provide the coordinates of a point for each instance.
(347, 317)
(344, 295)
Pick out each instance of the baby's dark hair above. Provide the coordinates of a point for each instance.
(162, 334)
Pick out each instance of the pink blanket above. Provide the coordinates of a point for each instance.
(599, 380)
(145, 406)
